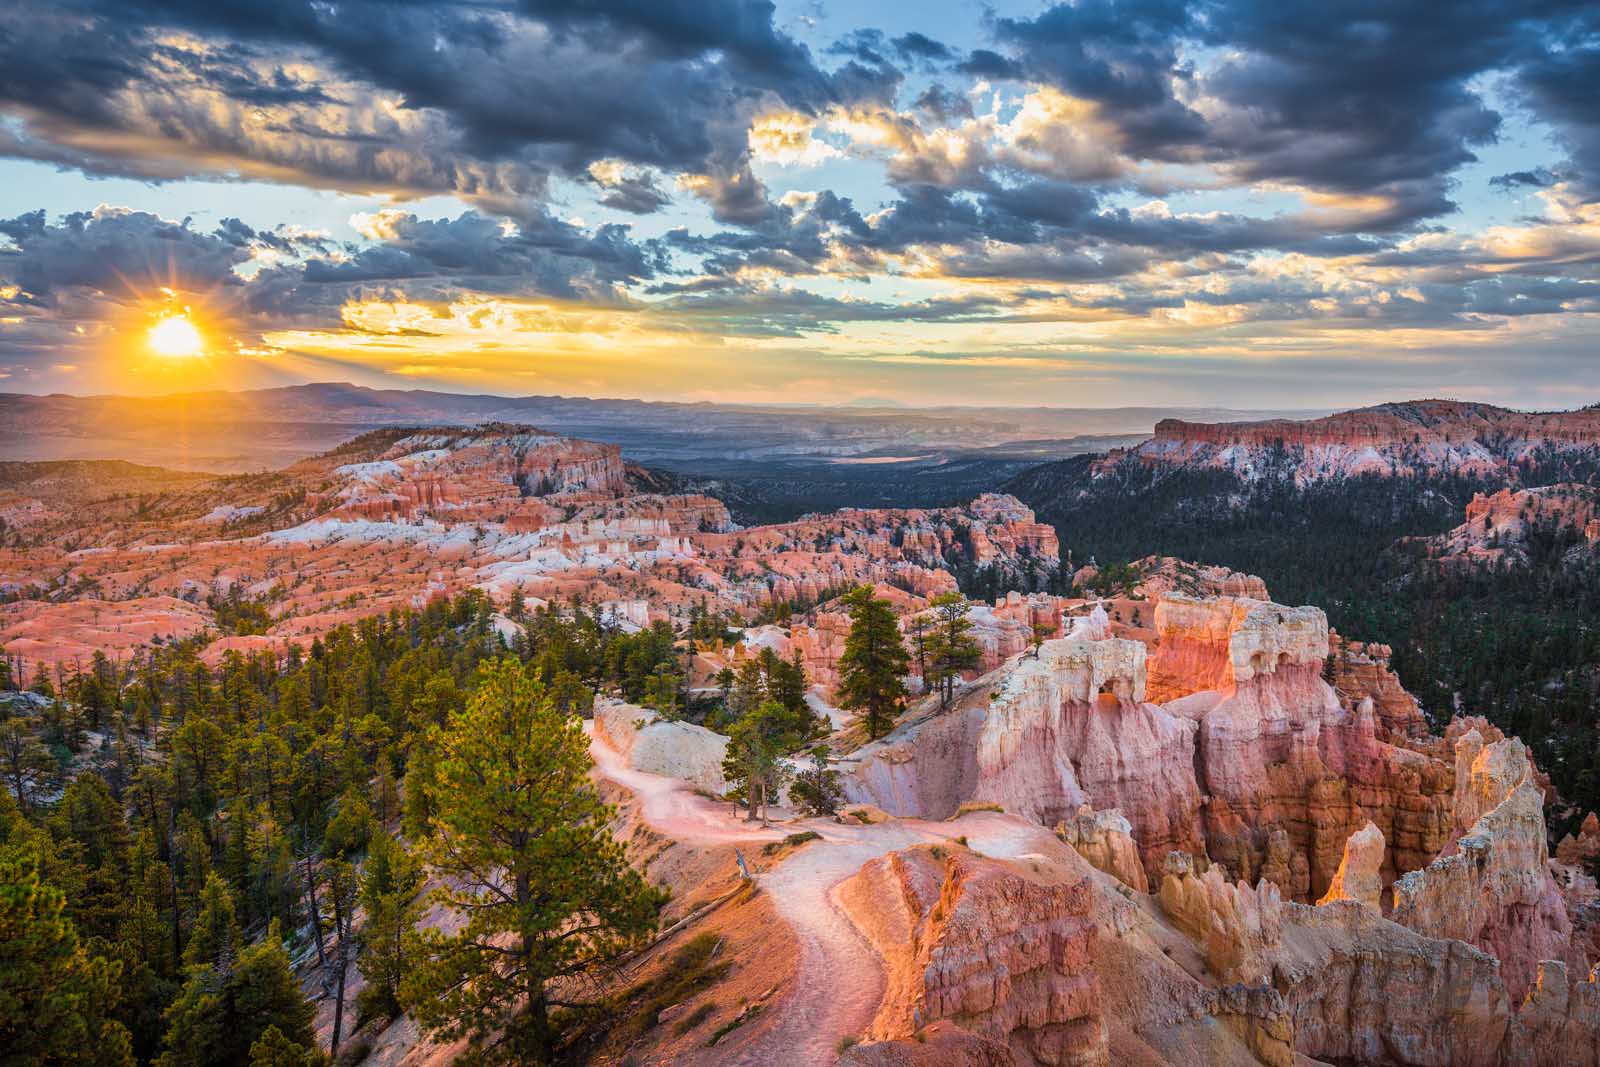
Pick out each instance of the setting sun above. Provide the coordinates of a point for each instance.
(175, 335)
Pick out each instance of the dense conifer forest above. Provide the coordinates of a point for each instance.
(171, 832)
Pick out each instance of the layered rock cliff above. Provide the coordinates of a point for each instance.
(968, 940)
(1493, 887)
(397, 517)
(1417, 437)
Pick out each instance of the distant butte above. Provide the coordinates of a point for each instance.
(1421, 436)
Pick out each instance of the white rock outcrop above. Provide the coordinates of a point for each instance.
(654, 745)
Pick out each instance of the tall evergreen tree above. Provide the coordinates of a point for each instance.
(525, 855)
(389, 883)
(953, 649)
(873, 665)
(224, 1009)
(56, 1000)
(756, 745)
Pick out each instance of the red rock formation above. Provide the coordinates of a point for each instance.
(1582, 849)
(1493, 888)
(1239, 927)
(1278, 752)
(1361, 672)
(1497, 525)
(1407, 438)
(968, 940)
(398, 517)
(1050, 734)
(1357, 878)
(1105, 839)
(1159, 575)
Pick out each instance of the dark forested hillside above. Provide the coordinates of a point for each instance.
(1517, 644)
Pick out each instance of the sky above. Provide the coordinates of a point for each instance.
(1249, 203)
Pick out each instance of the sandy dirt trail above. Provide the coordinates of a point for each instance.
(839, 979)
(671, 805)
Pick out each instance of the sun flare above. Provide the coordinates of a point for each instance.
(175, 335)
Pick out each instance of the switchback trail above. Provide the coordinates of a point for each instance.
(839, 979)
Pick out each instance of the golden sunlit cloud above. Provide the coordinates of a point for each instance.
(175, 335)
(785, 138)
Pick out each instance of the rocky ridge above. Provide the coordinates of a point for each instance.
(396, 517)
(1498, 526)
(1401, 439)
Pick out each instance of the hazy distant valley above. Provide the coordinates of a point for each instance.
(770, 463)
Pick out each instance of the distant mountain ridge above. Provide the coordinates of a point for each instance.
(267, 428)
(771, 462)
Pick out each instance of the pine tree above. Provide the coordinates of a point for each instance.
(756, 745)
(341, 900)
(661, 692)
(385, 793)
(214, 938)
(418, 806)
(816, 790)
(874, 662)
(272, 1049)
(524, 854)
(55, 999)
(389, 883)
(222, 1011)
(27, 765)
(953, 649)
(918, 627)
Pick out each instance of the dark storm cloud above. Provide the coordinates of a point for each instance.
(1523, 179)
(795, 239)
(635, 194)
(1559, 83)
(984, 63)
(1120, 53)
(915, 46)
(943, 106)
(115, 251)
(1373, 107)
(545, 258)
(493, 99)
(1059, 228)
(1366, 100)
(766, 312)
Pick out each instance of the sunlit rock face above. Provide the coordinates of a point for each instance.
(1253, 760)
(1071, 727)
(1493, 887)
(1357, 878)
(965, 939)
(1289, 771)
(1227, 642)
(1043, 737)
